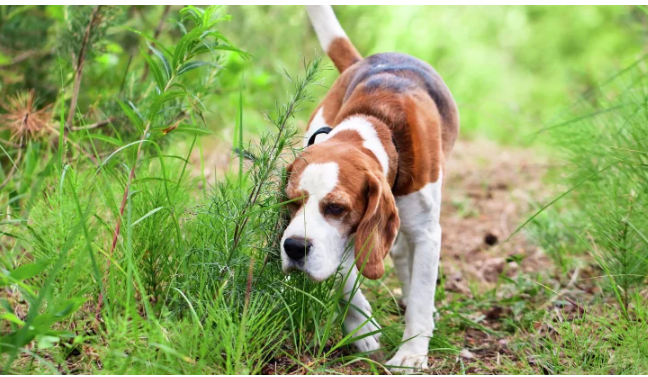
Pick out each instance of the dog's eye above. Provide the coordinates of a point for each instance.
(334, 209)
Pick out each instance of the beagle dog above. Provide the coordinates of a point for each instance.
(373, 167)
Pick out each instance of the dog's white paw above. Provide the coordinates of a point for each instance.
(407, 361)
(369, 343)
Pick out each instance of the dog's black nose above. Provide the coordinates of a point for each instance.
(297, 248)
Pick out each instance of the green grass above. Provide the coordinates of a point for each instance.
(193, 284)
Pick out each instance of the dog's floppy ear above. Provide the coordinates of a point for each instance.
(377, 229)
(289, 170)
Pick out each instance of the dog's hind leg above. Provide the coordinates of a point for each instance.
(402, 258)
(420, 212)
(359, 315)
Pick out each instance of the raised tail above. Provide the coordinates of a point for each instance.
(332, 37)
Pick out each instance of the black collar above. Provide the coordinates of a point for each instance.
(323, 130)
(326, 130)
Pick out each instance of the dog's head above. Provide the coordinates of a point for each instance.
(336, 191)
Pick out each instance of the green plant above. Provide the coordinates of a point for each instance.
(604, 138)
(43, 309)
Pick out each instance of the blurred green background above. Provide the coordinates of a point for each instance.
(510, 68)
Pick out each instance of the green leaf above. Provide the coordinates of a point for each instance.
(28, 270)
(193, 65)
(107, 139)
(231, 48)
(132, 115)
(152, 179)
(68, 307)
(151, 39)
(182, 47)
(46, 341)
(155, 69)
(12, 318)
(193, 13)
(194, 130)
(150, 213)
(171, 94)
(165, 62)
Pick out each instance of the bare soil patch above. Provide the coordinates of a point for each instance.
(487, 195)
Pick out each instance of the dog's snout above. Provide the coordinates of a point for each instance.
(297, 248)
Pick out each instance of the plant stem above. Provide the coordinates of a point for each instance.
(131, 175)
(256, 192)
(94, 125)
(80, 62)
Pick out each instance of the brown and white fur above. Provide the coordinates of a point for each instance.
(378, 173)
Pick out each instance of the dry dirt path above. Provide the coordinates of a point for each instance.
(487, 195)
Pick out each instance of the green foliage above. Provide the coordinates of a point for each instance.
(600, 343)
(113, 261)
(79, 19)
(604, 138)
(509, 68)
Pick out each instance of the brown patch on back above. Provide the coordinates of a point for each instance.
(410, 98)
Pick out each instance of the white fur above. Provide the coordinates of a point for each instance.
(359, 314)
(368, 133)
(419, 215)
(328, 244)
(326, 25)
(317, 123)
(400, 254)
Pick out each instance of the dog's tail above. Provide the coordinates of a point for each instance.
(332, 37)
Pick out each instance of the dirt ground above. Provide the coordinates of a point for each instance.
(487, 195)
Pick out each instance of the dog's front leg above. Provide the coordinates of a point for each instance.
(420, 213)
(402, 258)
(359, 315)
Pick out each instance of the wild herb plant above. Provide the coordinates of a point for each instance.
(603, 139)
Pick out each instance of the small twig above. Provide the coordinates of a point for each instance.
(25, 56)
(574, 277)
(79, 66)
(77, 146)
(93, 126)
(14, 168)
(254, 195)
(12, 145)
(248, 288)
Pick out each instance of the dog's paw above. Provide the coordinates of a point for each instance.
(407, 361)
(368, 343)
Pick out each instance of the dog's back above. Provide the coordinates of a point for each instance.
(388, 86)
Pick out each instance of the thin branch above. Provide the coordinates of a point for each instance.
(94, 19)
(25, 56)
(282, 120)
(77, 146)
(10, 144)
(14, 168)
(131, 175)
(94, 125)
